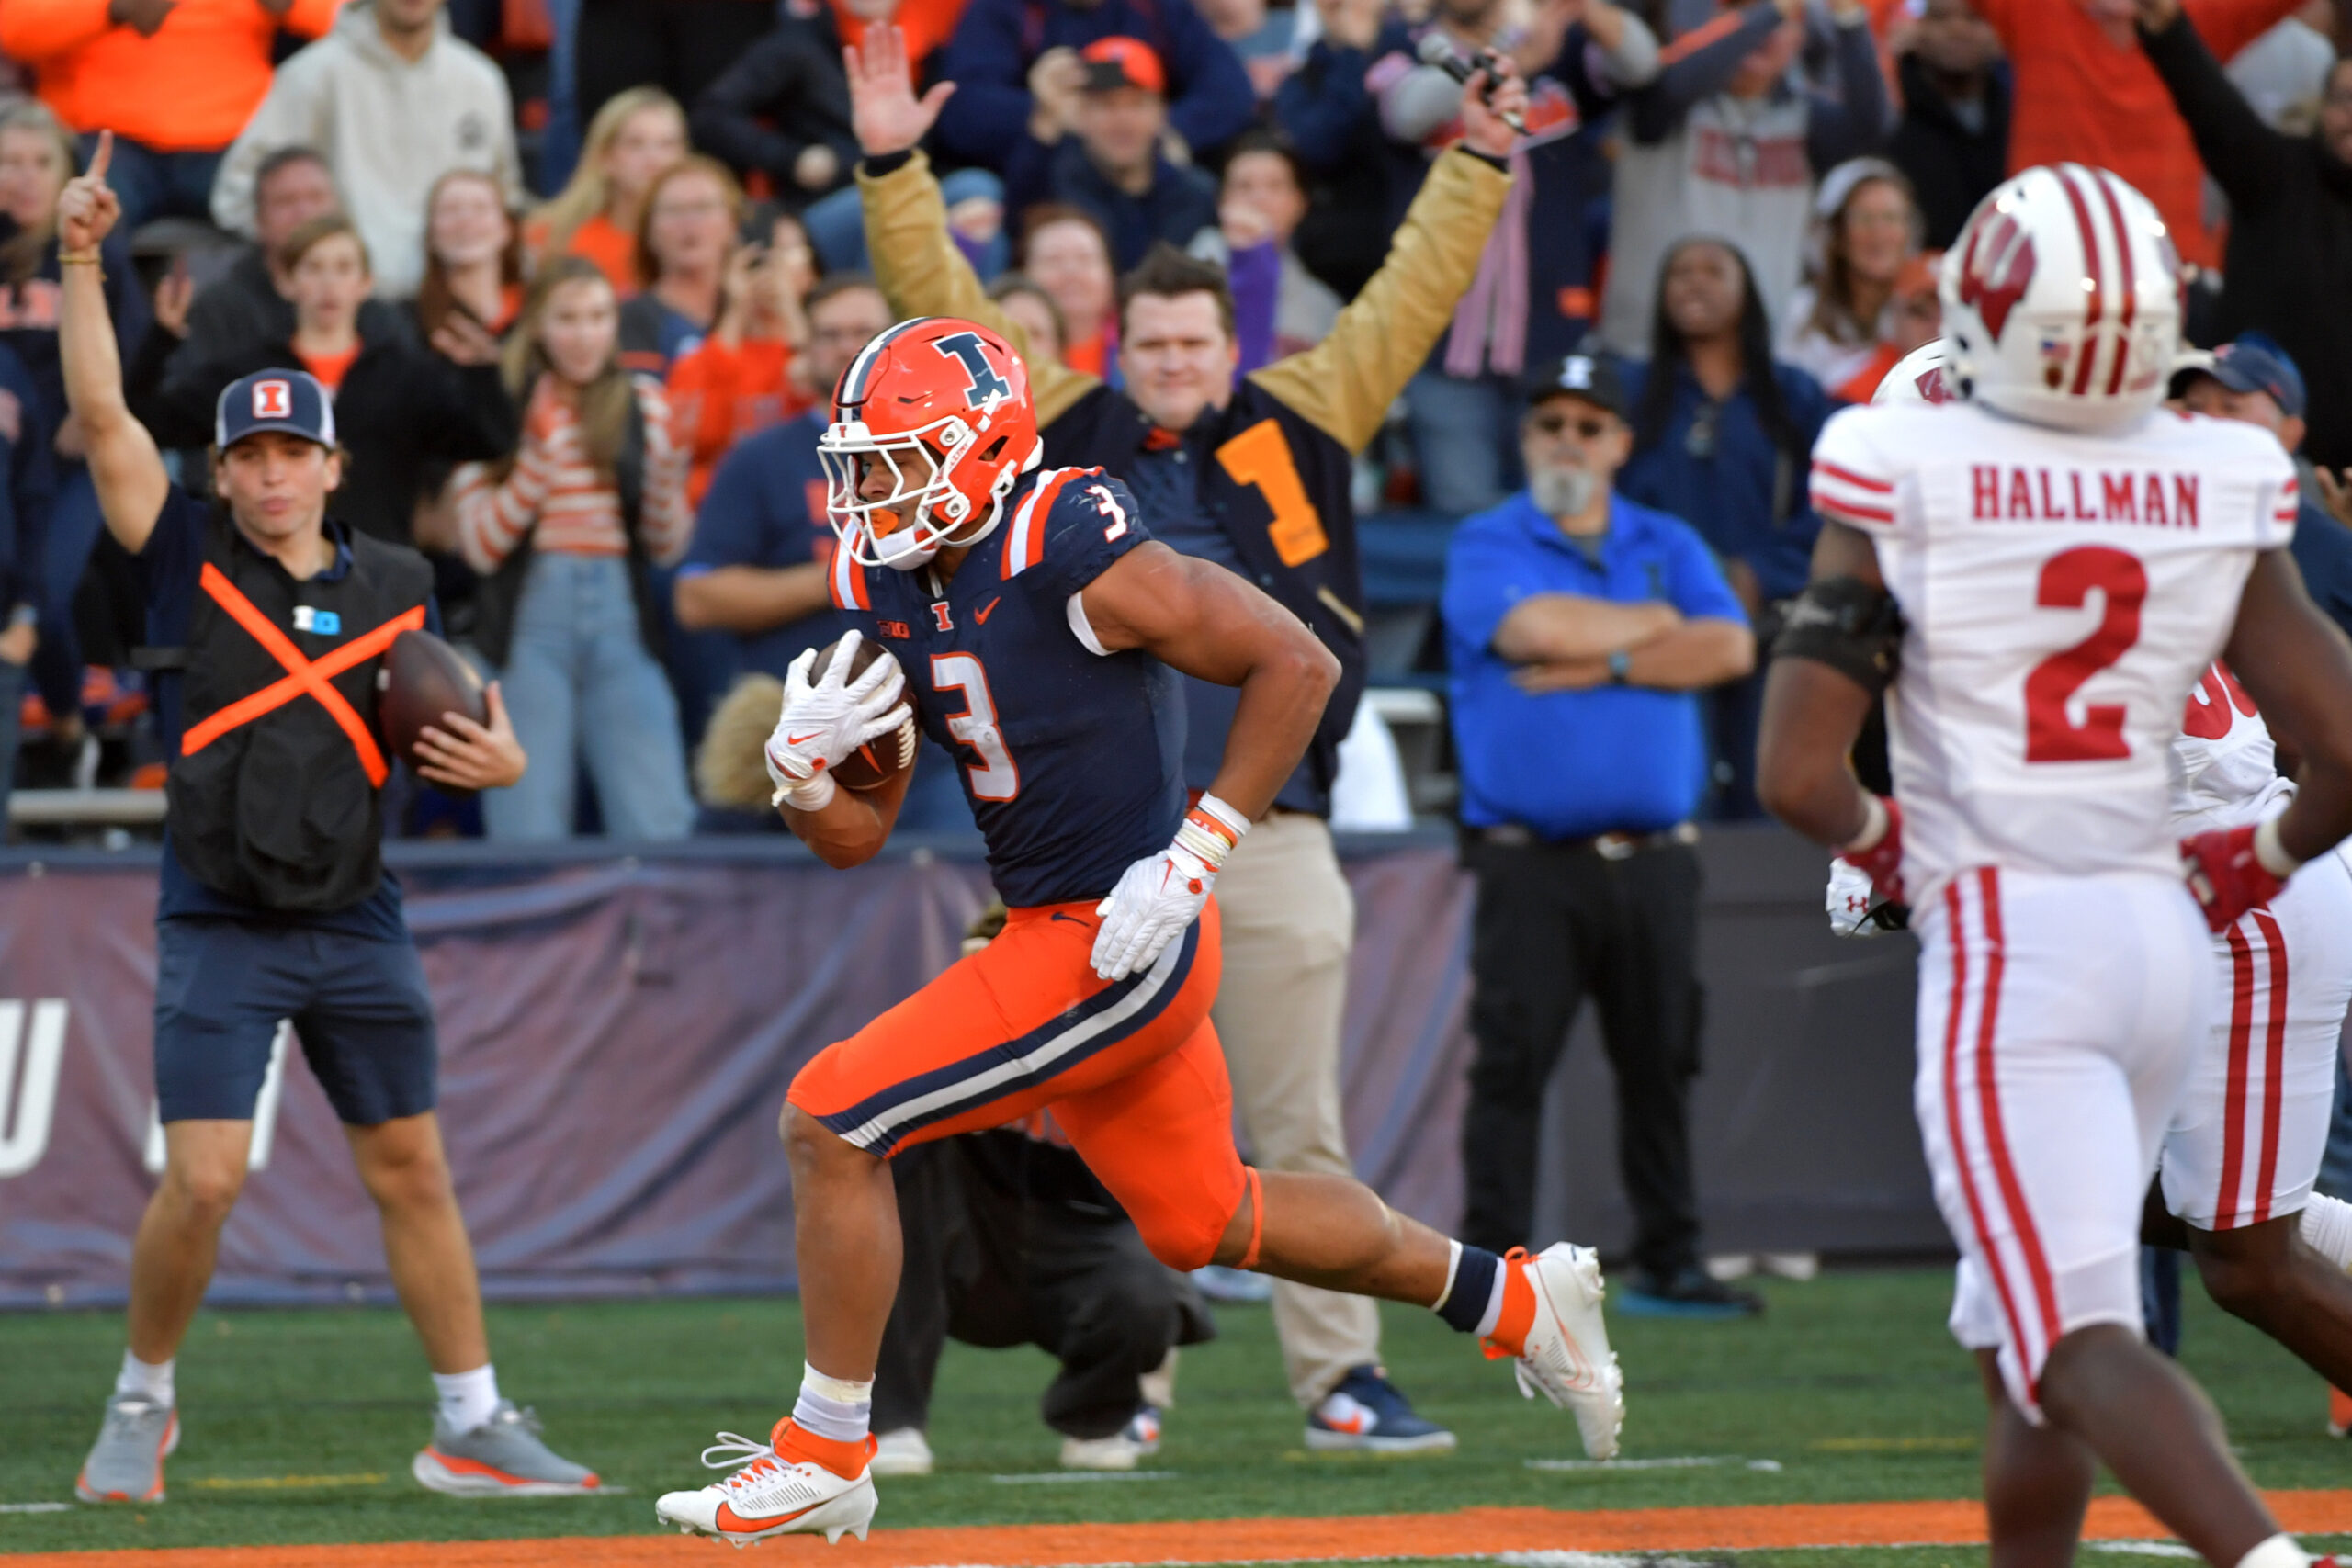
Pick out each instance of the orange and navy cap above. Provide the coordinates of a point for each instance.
(1116, 63)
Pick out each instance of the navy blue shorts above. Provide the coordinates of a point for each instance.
(359, 1008)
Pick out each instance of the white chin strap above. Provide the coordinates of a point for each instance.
(904, 549)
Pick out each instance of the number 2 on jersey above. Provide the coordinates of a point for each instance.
(994, 777)
(2067, 579)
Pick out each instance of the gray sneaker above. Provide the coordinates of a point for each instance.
(126, 1464)
(502, 1458)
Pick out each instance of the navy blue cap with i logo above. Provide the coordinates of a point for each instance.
(290, 401)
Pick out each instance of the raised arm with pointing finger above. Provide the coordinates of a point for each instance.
(124, 463)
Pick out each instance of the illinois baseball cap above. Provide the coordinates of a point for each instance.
(2255, 363)
(1591, 376)
(290, 401)
(1114, 62)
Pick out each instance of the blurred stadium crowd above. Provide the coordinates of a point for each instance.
(370, 190)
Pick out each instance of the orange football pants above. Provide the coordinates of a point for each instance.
(1131, 1069)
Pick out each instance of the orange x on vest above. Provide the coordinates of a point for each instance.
(304, 676)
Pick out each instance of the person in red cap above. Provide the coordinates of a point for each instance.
(1095, 141)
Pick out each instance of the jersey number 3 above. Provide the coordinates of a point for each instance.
(994, 777)
(2067, 581)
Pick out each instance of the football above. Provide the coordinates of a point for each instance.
(421, 679)
(879, 761)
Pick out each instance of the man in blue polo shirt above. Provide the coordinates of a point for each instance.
(761, 548)
(1580, 628)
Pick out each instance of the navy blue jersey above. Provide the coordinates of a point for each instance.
(1073, 760)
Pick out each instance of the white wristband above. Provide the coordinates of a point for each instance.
(2270, 852)
(813, 796)
(1209, 845)
(1874, 820)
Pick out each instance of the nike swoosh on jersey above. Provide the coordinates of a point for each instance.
(1058, 915)
(980, 615)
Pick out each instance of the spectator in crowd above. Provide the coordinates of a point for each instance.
(403, 410)
(689, 234)
(1580, 626)
(1026, 304)
(1005, 52)
(1533, 295)
(25, 497)
(1206, 456)
(1067, 252)
(637, 135)
(175, 81)
(393, 101)
(1260, 206)
(1011, 1240)
(473, 255)
(1723, 438)
(565, 533)
(36, 157)
(1725, 142)
(1263, 36)
(247, 304)
(743, 377)
(2086, 96)
(756, 571)
(1952, 142)
(1326, 109)
(1850, 325)
(1094, 142)
(678, 46)
(2290, 215)
(783, 109)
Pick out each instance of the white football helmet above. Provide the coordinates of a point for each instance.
(2061, 300)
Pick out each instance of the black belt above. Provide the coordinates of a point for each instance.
(1607, 846)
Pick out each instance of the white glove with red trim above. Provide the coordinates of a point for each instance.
(824, 722)
(1157, 898)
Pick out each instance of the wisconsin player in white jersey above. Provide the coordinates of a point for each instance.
(2234, 1184)
(2043, 570)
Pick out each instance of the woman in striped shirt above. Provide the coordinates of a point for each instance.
(565, 535)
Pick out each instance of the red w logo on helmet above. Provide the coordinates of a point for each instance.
(1996, 269)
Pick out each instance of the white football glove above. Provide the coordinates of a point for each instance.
(1852, 897)
(824, 722)
(1157, 898)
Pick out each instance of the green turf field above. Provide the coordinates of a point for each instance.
(300, 1425)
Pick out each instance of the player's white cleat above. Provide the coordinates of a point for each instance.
(1551, 1322)
(776, 1490)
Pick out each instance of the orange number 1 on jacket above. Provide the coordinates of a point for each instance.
(1261, 456)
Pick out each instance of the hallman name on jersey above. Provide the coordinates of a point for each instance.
(2148, 498)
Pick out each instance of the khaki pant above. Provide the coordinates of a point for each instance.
(1289, 922)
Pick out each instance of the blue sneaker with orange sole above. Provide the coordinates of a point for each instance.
(1367, 1413)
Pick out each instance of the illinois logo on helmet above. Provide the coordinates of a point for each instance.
(940, 408)
(2061, 300)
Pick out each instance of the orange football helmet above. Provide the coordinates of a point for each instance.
(943, 406)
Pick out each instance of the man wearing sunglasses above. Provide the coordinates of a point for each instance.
(1579, 630)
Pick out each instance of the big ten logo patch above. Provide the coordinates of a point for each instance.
(317, 622)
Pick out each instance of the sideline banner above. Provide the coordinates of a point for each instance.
(618, 1034)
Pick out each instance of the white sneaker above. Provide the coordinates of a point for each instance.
(771, 1495)
(902, 1452)
(1563, 1344)
(1138, 1440)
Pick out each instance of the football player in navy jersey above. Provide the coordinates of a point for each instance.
(1039, 632)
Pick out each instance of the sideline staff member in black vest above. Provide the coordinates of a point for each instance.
(274, 903)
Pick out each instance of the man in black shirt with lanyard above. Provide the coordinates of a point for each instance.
(274, 904)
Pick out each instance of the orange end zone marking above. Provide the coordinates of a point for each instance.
(1473, 1531)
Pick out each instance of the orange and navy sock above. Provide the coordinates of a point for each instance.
(1473, 1299)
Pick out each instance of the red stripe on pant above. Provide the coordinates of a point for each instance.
(2274, 1062)
(2225, 1205)
(1955, 1126)
(1996, 1143)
